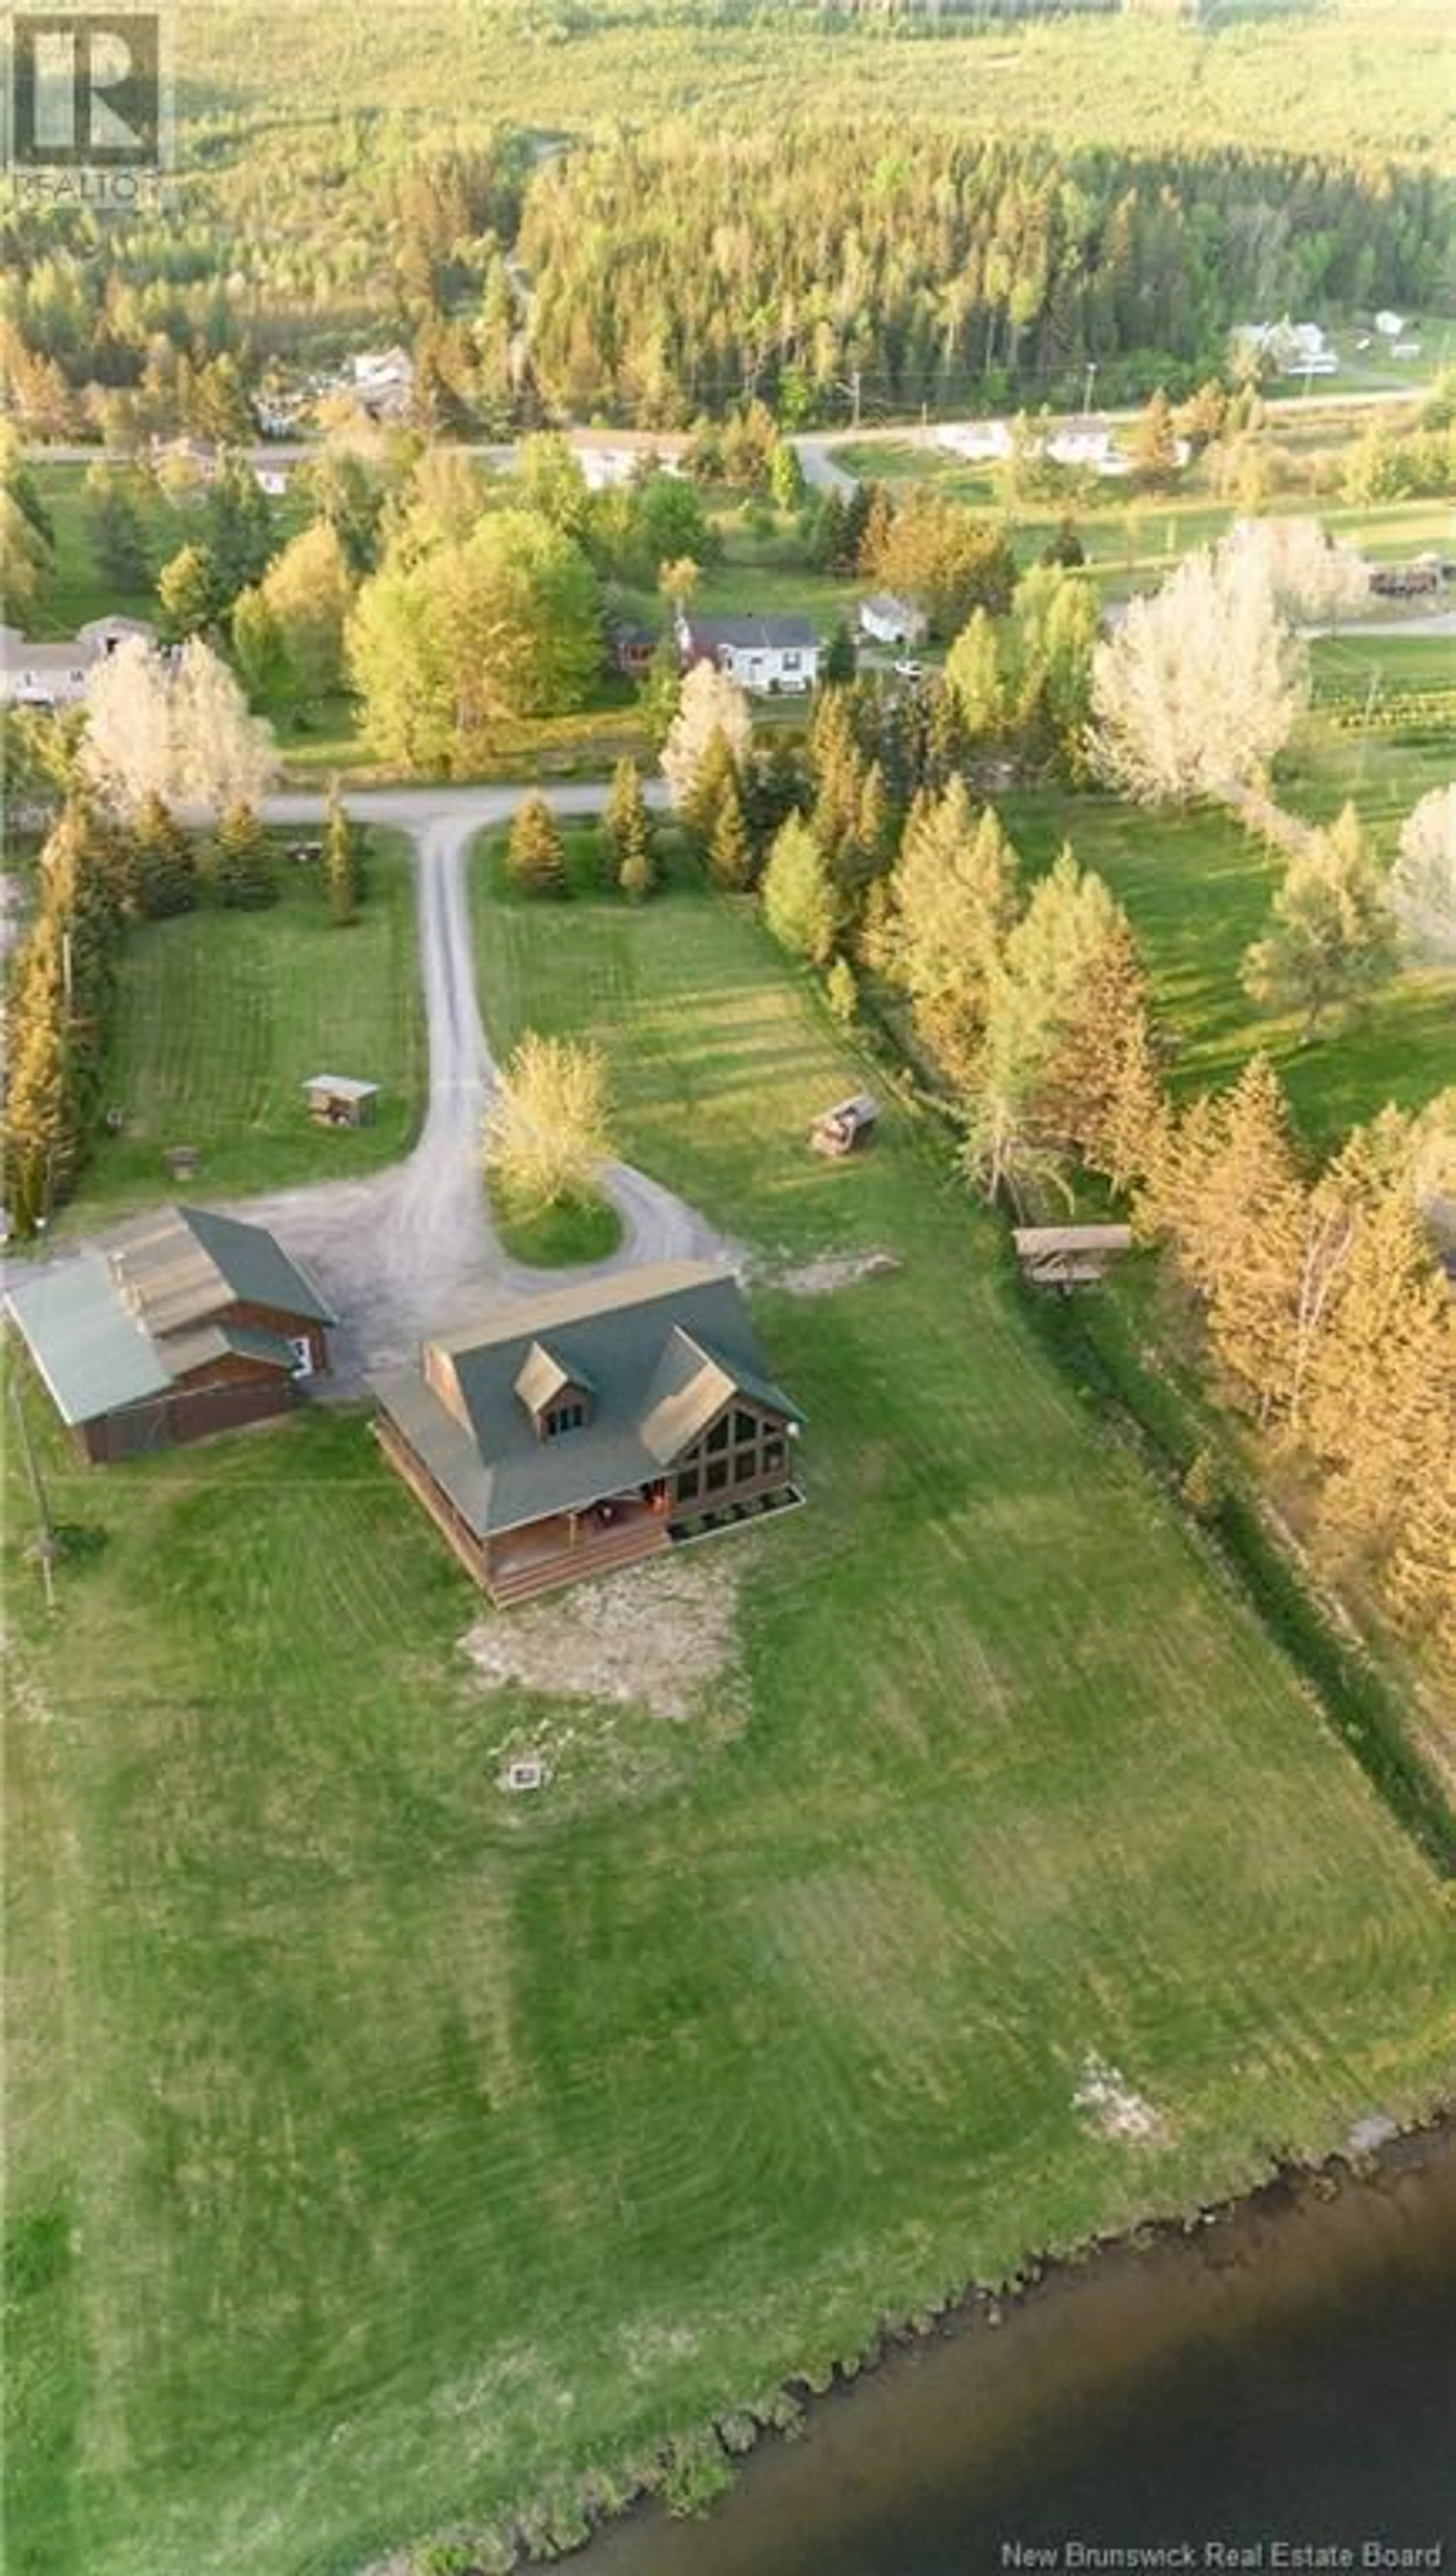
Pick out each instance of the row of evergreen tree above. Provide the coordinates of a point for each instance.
(97, 875)
(1326, 1314)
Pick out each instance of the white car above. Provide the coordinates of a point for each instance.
(908, 670)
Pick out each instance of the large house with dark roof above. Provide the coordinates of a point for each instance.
(185, 1323)
(766, 655)
(571, 1433)
(48, 676)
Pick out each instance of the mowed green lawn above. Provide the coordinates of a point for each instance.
(1198, 891)
(222, 1016)
(79, 588)
(383, 2153)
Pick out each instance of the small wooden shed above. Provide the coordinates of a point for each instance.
(337, 1100)
(1068, 1256)
(844, 1129)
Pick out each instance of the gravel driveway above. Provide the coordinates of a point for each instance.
(412, 1250)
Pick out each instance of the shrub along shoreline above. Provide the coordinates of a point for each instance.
(696, 2470)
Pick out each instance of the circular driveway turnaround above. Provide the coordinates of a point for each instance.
(412, 1250)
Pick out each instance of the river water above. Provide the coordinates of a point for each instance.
(1283, 2381)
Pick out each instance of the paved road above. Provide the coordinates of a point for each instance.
(1420, 623)
(815, 452)
(412, 1250)
(821, 472)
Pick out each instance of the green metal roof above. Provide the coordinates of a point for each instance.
(93, 1355)
(662, 1348)
(192, 1350)
(126, 1321)
(255, 1267)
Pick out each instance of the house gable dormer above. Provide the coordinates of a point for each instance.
(558, 1399)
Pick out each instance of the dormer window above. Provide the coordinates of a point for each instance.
(556, 1398)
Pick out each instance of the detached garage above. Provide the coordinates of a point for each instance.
(185, 1324)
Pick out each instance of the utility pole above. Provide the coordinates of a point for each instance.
(1372, 695)
(1087, 389)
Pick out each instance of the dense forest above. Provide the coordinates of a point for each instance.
(649, 279)
(675, 274)
(1370, 76)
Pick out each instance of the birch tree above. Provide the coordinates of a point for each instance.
(710, 703)
(1199, 687)
(178, 730)
(1313, 576)
(1423, 879)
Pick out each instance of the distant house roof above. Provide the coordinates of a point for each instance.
(888, 604)
(752, 634)
(342, 1086)
(106, 631)
(68, 654)
(18, 653)
(661, 1350)
(127, 1321)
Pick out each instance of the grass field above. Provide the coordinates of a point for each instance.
(222, 1016)
(578, 1228)
(80, 589)
(1198, 890)
(381, 2154)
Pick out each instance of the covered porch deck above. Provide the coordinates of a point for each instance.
(566, 1546)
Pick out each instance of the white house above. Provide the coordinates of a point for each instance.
(1292, 348)
(769, 656)
(888, 620)
(979, 441)
(1390, 325)
(607, 464)
(1087, 444)
(56, 675)
(383, 382)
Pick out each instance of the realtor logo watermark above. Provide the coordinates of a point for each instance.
(88, 107)
(1281, 2554)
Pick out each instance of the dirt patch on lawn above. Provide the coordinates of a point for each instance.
(835, 1270)
(1108, 2102)
(654, 1637)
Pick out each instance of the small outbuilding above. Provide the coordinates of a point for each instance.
(844, 1129)
(1068, 1256)
(337, 1100)
(887, 619)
